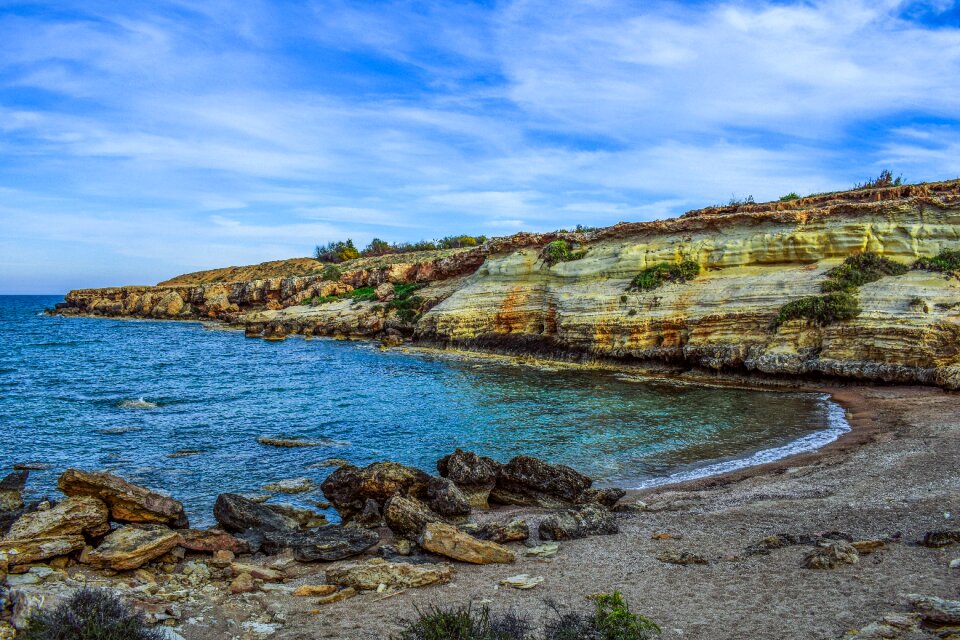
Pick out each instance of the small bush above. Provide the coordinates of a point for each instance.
(339, 251)
(739, 202)
(615, 621)
(656, 276)
(945, 261)
(885, 179)
(464, 623)
(821, 310)
(560, 251)
(331, 272)
(793, 195)
(362, 294)
(90, 614)
(860, 269)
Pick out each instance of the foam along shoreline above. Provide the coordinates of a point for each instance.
(837, 428)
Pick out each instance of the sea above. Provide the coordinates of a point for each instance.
(179, 406)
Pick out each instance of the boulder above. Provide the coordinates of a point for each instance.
(831, 555)
(20, 552)
(73, 516)
(474, 475)
(132, 546)
(333, 542)
(935, 610)
(260, 572)
(243, 583)
(445, 498)
(407, 517)
(512, 530)
(349, 487)
(447, 540)
(371, 516)
(941, 538)
(371, 574)
(211, 541)
(530, 481)
(237, 514)
(28, 601)
(385, 292)
(305, 518)
(127, 502)
(579, 522)
(608, 497)
(11, 491)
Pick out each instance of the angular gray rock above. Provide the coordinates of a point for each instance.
(445, 498)
(474, 475)
(579, 522)
(333, 542)
(237, 514)
(530, 481)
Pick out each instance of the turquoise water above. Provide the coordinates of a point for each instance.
(70, 386)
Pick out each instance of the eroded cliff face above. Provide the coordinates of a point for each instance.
(753, 260)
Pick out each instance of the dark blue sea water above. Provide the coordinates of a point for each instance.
(69, 385)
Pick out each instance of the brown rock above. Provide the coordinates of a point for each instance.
(343, 594)
(211, 541)
(681, 557)
(266, 574)
(127, 502)
(130, 547)
(513, 530)
(371, 574)
(20, 552)
(831, 556)
(408, 516)
(474, 475)
(222, 558)
(314, 590)
(447, 540)
(530, 481)
(73, 516)
(243, 583)
(579, 522)
(865, 547)
(11, 490)
(445, 498)
(348, 488)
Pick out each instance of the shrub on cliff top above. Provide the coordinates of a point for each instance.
(560, 251)
(659, 274)
(820, 310)
(860, 269)
(90, 614)
(946, 260)
(885, 179)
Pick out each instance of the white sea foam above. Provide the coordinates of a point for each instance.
(837, 425)
(139, 403)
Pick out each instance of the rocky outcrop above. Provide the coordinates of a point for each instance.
(474, 475)
(131, 547)
(73, 516)
(349, 487)
(22, 552)
(326, 544)
(531, 481)
(238, 514)
(408, 517)
(370, 575)
(127, 502)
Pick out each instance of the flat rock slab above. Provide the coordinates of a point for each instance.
(127, 502)
(73, 516)
(326, 544)
(402, 575)
(20, 552)
(447, 540)
(131, 547)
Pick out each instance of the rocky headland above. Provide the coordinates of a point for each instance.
(710, 290)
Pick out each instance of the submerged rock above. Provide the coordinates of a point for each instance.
(447, 540)
(127, 502)
(11, 491)
(131, 547)
(349, 487)
(371, 574)
(73, 516)
(530, 481)
(474, 475)
(580, 522)
(333, 542)
(289, 442)
(290, 485)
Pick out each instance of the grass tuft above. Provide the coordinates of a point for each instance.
(945, 261)
(659, 274)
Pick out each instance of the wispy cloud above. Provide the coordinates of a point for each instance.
(144, 139)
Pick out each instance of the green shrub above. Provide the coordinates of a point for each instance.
(793, 195)
(90, 614)
(362, 294)
(560, 251)
(615, 621)
(659, 274)
(821, 310)
(464, 623)
(860, 269)
(339, 251)
(885, 179)
(946, 260)
(916, 301)
(331, 272)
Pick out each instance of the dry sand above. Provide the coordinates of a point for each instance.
(895, 475)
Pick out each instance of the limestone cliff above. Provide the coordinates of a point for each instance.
(753, 259)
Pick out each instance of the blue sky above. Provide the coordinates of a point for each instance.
(139, 140)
